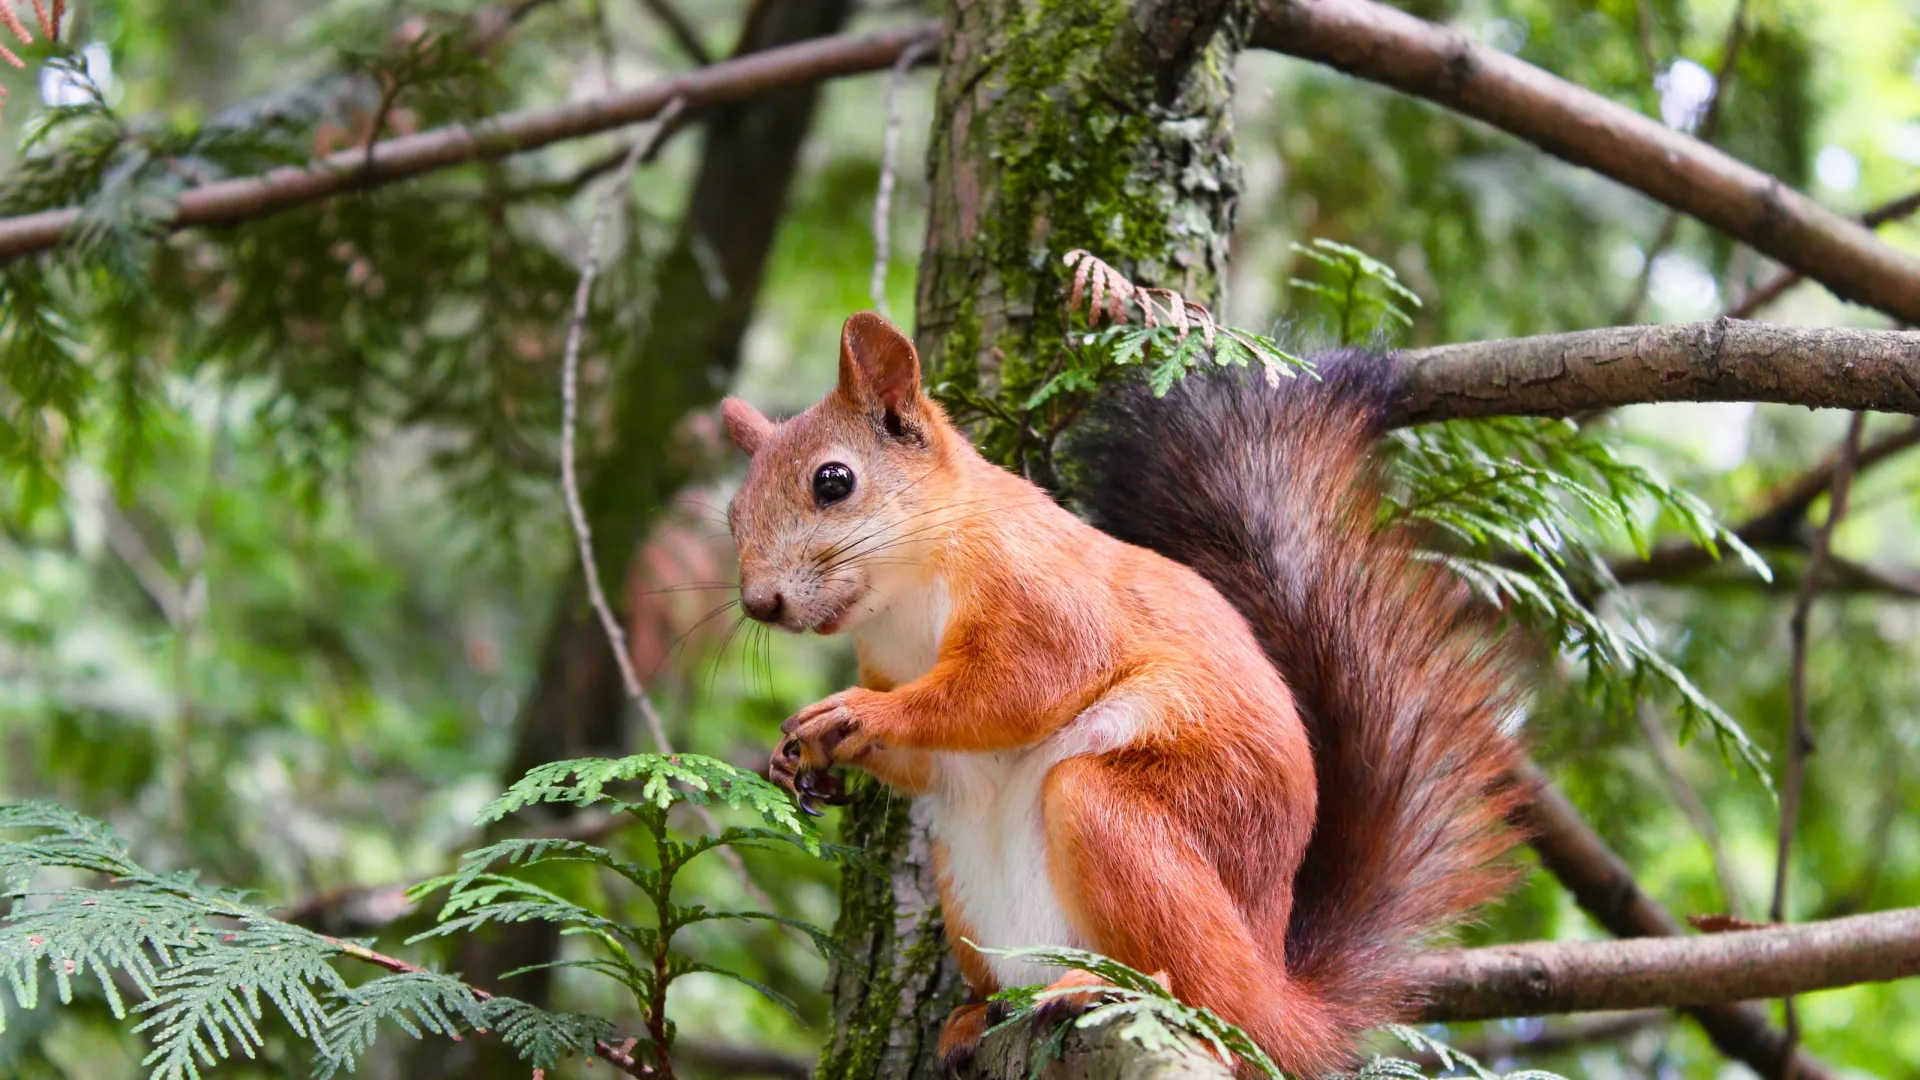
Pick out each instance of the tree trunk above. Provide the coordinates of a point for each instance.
(1060, 124)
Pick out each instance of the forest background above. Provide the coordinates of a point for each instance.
(290, 589)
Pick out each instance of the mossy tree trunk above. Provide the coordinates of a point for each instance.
(1060, 124)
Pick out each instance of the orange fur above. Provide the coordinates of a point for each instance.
(1102, 731)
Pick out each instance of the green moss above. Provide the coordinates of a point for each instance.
(1078, 144)
(888, 963)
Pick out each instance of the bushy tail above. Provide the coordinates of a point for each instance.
(1272, 494)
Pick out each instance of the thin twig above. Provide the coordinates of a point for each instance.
(1666, 757)
(889, 161)
(1800, 742)
(683, 32)
(1496, 1044)
(570, 410)
(642, 150)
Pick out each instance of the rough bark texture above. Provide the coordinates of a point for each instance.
(1722, 360)
(1060, 124)
(1380, 44)
(1098, 1053)
(1543, 977)
(897, 983)
(1063, 124)
(1701, 971)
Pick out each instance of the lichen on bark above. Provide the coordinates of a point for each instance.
(1064, 124)
(1059, 124)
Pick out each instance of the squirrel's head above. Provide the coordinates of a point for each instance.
(833, 520)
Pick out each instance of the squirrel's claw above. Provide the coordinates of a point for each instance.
(810, 786)
(824, 786)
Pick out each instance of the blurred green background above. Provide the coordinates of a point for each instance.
(279, 623)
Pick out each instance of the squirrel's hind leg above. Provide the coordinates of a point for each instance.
(960, 1038)
(1137, 885)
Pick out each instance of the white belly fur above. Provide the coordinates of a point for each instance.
(986, 810)
(986, 807)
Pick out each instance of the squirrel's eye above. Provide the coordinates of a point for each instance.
(831, 483)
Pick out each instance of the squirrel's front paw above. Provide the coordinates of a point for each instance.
(816, 738)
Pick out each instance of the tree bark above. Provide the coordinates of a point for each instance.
(1059, 124)
(1542, 978)
(1379, 44)
(1722, 360)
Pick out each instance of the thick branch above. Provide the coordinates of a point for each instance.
(1377, 43)
(1545, 977)
(1722, 360)
(1777, 286)
(1698, 971)
(230, 201)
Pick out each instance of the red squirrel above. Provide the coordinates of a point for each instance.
(1238, 735)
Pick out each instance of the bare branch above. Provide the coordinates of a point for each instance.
(1375, 42)
(1800, 739)
(1666, 757)
(1701, 972)
(1723, 360)
(570, 408)
(1673, 972)
(643, 149)
(232, 201)
(1583, 1031)
(889, 163)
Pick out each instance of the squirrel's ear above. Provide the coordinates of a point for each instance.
(879, 369)
(748, 426)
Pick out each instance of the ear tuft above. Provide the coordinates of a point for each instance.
(747, 426)
(878, 365)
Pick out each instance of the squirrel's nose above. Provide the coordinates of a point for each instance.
(762, 602)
